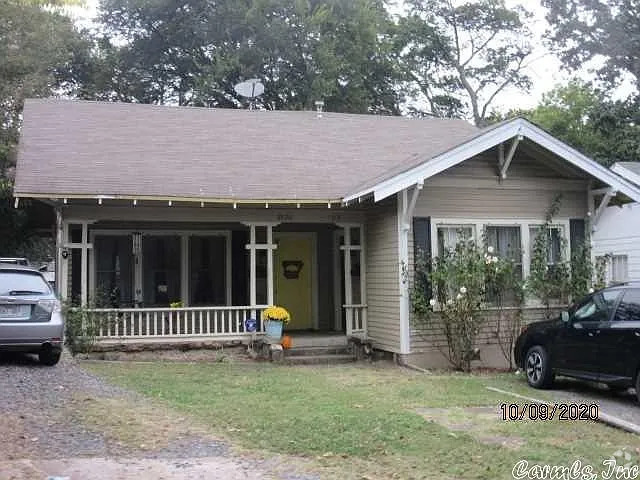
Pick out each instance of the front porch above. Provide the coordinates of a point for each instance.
(195, 281)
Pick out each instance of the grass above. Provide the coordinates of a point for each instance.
(363, 422)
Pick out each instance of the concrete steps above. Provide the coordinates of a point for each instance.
(325, 359)
(319, 351)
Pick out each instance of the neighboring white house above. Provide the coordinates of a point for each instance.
(617, 236)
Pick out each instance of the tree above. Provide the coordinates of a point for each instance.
(584, 30)
(460, 58)
(193, 53)
(587, 119)
(37, 48)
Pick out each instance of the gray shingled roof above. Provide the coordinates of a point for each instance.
(633, 166)
(79, 148)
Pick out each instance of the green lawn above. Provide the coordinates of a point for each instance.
(362, 421)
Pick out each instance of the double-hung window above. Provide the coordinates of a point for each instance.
(450, 235)
(554, 239)
(506, 243)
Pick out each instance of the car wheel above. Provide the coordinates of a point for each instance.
(49, 357)
(537, 367)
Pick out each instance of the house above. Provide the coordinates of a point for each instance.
(616, 238)
(184, 222)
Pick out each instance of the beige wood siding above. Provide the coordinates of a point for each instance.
(473, 191)
(429, 337)
(383, 290)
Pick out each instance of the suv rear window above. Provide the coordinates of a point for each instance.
(22, 283)
(629, 308)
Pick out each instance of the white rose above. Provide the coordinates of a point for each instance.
(490, 249)
(463, 290)
(591, 290)
(494, 259)
(432, 302)
(449, 302)
(459, 296)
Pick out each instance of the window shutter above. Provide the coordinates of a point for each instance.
(422, 247)
(577, 236)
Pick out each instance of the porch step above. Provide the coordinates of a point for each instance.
(318, 359)
(315, 351)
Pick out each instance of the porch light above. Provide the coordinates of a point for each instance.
(99, 201)
(235, 205)
(201, 204)
(329, 205)
(170, 203)
(266, 205)
(16, 202)
(64, 200)
(135, 202)
(297, 205)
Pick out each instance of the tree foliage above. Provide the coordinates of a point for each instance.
(460, 57)
(37, 47)
(587, 119)
(193, 53)
(583, 30)
(38, 44)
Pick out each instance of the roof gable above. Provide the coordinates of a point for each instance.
(394, 182)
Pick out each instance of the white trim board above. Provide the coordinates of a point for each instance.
(486, 141)
(624, 172)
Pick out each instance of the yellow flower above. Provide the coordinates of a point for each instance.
(274, 312)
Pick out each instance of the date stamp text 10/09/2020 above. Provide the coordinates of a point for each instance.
(513, 412)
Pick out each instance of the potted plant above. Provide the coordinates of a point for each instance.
(275, 318)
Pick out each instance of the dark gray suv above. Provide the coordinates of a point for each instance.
(31, 320)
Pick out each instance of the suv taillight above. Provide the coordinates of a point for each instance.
(49, 306)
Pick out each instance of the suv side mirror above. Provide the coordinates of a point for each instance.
(565, 316)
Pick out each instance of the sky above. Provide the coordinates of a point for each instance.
(544, 68)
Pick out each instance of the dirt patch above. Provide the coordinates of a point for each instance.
(142, 426)
(478, 422)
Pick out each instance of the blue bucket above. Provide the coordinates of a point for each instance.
(273, 329)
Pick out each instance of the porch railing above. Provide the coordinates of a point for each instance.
(144, 323)
(356, 320)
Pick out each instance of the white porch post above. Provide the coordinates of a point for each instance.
(253, 246)
(252, 267)
(270, 264)
(348, 292)
(405, 216)
(61, 265)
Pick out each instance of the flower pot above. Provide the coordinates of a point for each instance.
(273, 329)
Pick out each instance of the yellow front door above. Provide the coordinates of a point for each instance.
(293, 269)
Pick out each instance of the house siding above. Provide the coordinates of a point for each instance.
(383, 289)
(428, 343)
(618, 233)
(472, 191)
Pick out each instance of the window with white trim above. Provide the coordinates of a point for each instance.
(555, 236)
(450, 235)
(619, 268)
(506, 243)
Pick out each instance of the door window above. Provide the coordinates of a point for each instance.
(629, 308)
(597, 308)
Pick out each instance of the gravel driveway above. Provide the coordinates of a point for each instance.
(44, 434)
